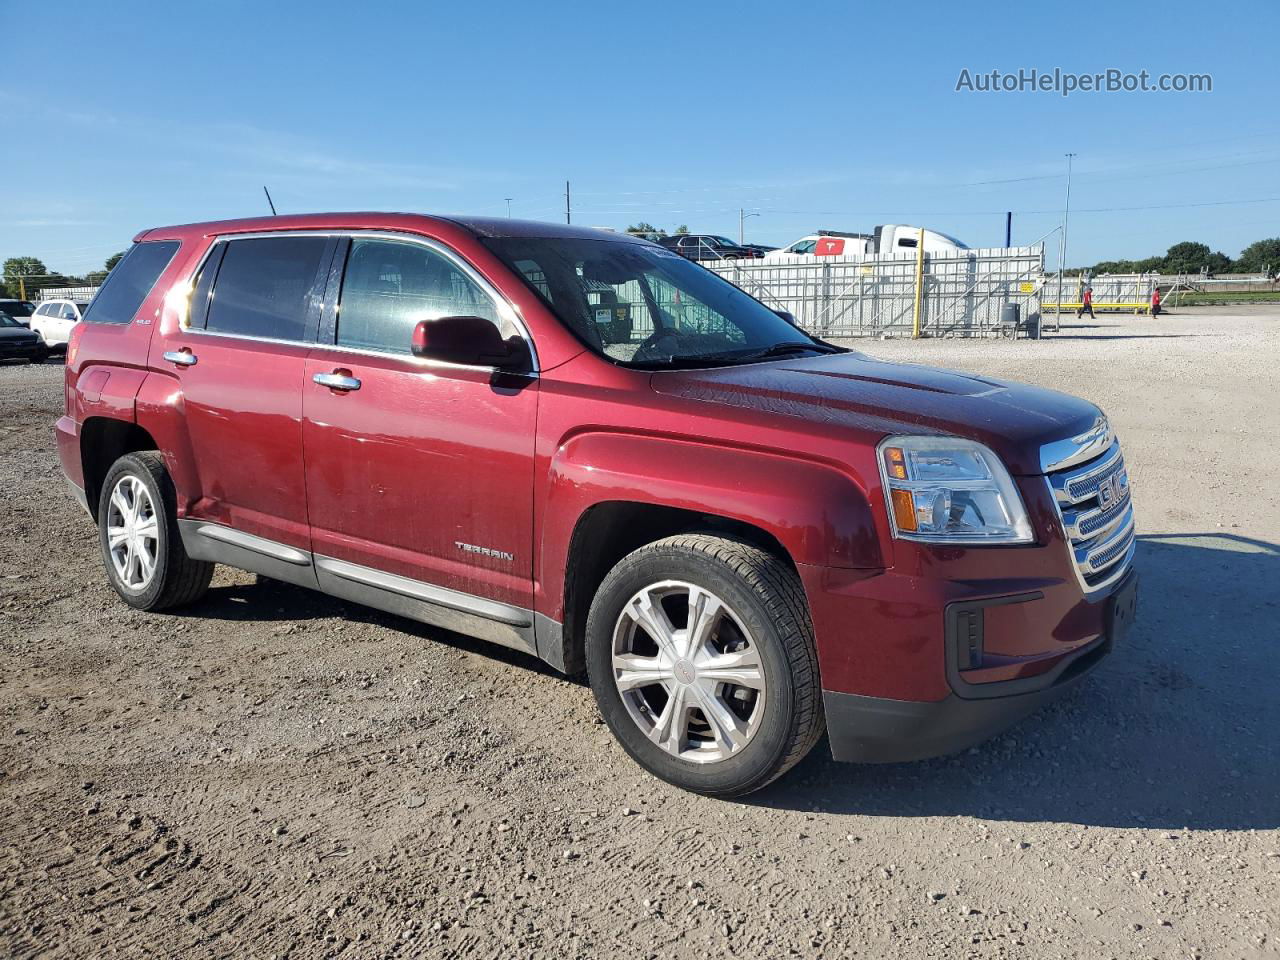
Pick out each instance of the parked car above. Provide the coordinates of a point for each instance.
(887, 238)
(19, 310)
(54, 320)
(706, 246)
(19, 343)
(581, 445)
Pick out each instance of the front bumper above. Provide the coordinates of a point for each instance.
(869, 729)
(877, 730)
(21, 351)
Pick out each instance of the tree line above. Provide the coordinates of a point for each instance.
(29, 274)
(1262, 256)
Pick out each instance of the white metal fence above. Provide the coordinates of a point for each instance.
(960, 294)
(1121, 291)
(68, 293)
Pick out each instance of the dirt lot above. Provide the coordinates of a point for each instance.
(273, 773)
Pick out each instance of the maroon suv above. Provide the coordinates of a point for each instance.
(587, 447)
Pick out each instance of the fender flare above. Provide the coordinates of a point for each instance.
(819, 513)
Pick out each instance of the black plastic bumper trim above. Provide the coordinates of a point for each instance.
(865, 729)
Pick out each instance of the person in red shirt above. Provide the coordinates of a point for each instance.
(1155, 302)
(1086, 304)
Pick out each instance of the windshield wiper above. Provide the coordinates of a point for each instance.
(789, 346)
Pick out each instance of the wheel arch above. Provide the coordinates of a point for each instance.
(609, 494)
(103, 441)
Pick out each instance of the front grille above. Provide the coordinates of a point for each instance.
(1097, 517)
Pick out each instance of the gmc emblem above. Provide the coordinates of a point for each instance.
(1111, 489)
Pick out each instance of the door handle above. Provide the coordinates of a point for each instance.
(337, 381)
(183, 357)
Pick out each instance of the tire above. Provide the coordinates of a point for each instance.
(773, 718)
(174, 578)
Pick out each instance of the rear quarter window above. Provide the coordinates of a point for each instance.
(129, 283)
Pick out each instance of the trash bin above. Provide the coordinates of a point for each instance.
(1009, 315)
(1033, 326)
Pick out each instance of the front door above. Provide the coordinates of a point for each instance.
(419, 470)
(239, 364)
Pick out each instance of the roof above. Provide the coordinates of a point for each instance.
(480, 226)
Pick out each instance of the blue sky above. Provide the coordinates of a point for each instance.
(813, 115)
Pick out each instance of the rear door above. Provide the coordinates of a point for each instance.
(239, 363)
(420, 469)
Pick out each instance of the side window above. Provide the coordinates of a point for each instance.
(389, 286)
(266, 287)
(907, 242)
(804, 246)
(69, 312)
(42, 310)
(129, 283)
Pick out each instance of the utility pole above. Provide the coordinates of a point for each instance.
(1062, 250)
(508, 199)
(742, 219)
(1008, 229)
(566, 202)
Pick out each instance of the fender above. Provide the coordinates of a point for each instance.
(821, 515)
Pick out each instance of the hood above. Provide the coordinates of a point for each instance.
(853, 391)
(16, 334)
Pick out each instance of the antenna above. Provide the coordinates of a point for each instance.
(269, 203)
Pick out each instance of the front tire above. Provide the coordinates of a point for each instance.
(138, 532)
(701, 657)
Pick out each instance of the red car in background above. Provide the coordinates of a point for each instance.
(583, 446)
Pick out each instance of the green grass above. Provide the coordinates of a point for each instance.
(1226, 296)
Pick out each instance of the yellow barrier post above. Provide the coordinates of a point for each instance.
(915, 322)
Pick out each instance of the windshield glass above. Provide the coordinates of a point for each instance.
(8, 321)
(645, 306)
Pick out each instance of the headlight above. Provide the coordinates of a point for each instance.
(950, 490)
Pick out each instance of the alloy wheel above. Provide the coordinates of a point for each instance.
(133, 533)
(689, 671)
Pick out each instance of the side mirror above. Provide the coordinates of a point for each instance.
(787, 316)
(473, 341)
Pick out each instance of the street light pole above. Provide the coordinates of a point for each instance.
(508, 199)
(742, 219)
(1062, 249)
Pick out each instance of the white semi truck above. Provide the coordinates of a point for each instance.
(887, 238)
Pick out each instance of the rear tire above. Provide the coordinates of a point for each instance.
(701, 658)
(138, 531)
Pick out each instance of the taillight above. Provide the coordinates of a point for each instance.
(73, 342)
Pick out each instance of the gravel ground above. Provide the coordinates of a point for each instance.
(273, 773)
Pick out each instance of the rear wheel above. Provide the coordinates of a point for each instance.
(138, 531)
(700, 655)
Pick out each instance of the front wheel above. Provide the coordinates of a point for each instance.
(138, 531)
(700, 654)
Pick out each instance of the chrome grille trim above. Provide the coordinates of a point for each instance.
(1101, 539)
(1072, 487)
(1062, 454)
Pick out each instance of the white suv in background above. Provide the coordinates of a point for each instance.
(54, 319)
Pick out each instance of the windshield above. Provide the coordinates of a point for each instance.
(645, 306)
(8, 321)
